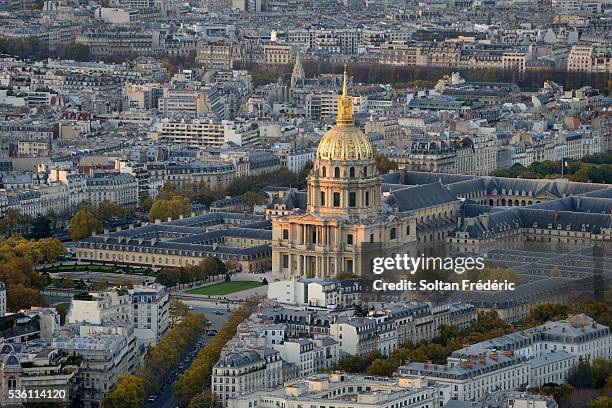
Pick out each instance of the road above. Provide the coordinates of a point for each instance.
(166, 399)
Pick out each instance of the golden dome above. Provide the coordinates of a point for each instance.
(344, 141)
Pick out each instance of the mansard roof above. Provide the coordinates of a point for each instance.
(427, 195)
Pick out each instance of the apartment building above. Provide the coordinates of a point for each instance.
(304, 354)
(218, 55)
(116, 187)
(589, 58)
(316, 292)
(145, 306)
(107, 352)
(207, 132)
(346, 391)
(243, 371)
(472, 380)
(215, 175)
(280, 54)
(151, 312)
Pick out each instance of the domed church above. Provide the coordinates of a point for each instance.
(344, 224)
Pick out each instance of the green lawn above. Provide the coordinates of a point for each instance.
(224, 288)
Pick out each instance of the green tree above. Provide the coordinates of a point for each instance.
(128, 393)
(41, 227)
(582, 375)
(83, 224)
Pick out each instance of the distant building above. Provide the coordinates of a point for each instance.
(2, 299)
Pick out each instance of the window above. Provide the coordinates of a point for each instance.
(322, 198)
(371, 237)
(349, 265)
(393, 233)
(324, 171)
(352, 172)
(285, 261)
(336, 199)
(337, 172)
(365, 172)
(349, 239)
(352, 200)
(408, 230)
(367, 198)
(285, 234)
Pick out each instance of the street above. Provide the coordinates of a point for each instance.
(166, 398)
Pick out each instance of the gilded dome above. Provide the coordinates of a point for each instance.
(344, 141)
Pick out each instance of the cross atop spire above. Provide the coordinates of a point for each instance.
(344, 85)
(345, 104)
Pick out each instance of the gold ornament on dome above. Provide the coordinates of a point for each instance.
(344, 141)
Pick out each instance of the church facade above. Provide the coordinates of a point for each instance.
(345, 223)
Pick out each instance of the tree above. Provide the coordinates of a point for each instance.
(19, 297)
(542, 313)
(381, 367)
(602, 369)
(83, 224)
(128, 393)
(51, 249)
(41, 227)
(251, 199)
(77, 52)
(213, 266)
(173, 208)
(582, 375)
(204, 399)
(601, 402)
(146, 202)
(108, 209)
(168, 276)
(384, 164)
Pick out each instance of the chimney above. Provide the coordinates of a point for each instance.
(484, 219)
(118, 229)
(169, 219)
(180, 216)
(130, 226)
(158, 221)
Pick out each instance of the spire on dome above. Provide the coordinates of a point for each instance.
(345, 104)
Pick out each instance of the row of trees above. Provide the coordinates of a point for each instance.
(210, 267)
(581, 171)
(193, 387)
(18, 258)
(160, 361)
(33, 47)
(399, 77)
